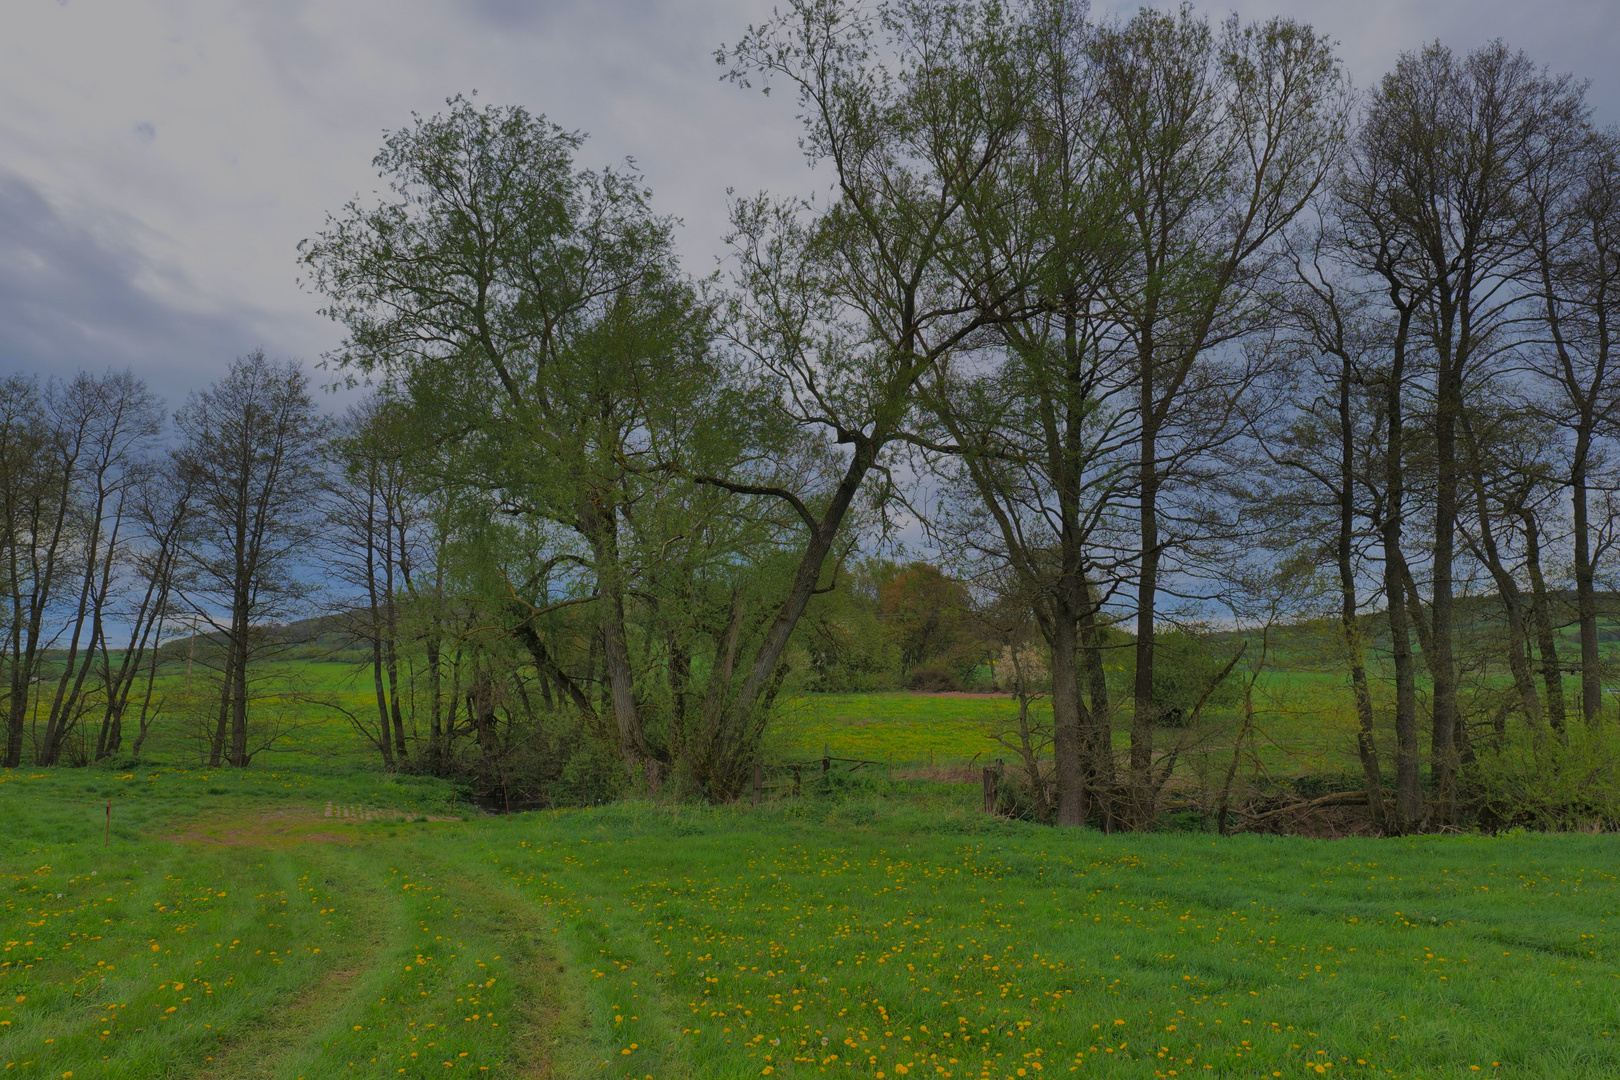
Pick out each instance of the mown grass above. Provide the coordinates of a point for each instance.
(233, 929)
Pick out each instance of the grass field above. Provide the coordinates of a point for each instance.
(285, 923)
(292, 710)
(1304, 720)
(1305, 723)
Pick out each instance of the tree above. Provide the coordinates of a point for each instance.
(249, 450)
(925, 613)
(1444, 163)
(162, 514)
(1032, 431)
(1572, 228)
(38, 467)
(1209, 144)
(498, 264)
(1325, 442)
(110, 422)
(1220, 141)
(372, 508)
(842, 311)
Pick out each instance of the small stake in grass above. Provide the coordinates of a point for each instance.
(759, 781)
(106, 841)
(989, 783)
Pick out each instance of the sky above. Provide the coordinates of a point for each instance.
(160, 160)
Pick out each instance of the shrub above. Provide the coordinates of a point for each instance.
(933, 680)
(1185, 664)
(1540, 780)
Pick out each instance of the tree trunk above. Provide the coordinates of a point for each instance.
(391, 630)
(435, 697)
(1099, 736)
(216, 750)
(1552, 673)
(1354, 646)
(763, 672)
(1145, 707)
(600, 527)
(374, 626)
(1441, 661)
(1066, 726)
(1507, 589)
(1518, 646)
(239, 646)
(1585, 588)
(1408, 781)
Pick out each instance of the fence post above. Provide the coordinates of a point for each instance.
(759, 781)
(795, 779)
(991, 778)
(826, 764)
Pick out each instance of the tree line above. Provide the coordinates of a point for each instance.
(1145, 323)
(123, 528)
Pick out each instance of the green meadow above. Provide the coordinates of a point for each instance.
(297, 923)
(1304, 721)
(1304, 724)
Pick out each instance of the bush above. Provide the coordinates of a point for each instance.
(1017, 799)
(1539, 780)
(933, 680)
(1185, 665)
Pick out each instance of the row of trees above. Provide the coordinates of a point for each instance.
(1149, 306)
(139, 545)
(116, 537)
(1142, 321)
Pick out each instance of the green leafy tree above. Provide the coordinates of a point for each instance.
(495, 264)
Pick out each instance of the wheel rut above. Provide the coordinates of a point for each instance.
(289, 1038)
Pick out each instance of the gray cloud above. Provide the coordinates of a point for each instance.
(509, 14)
(164, 157)
(531, 14)
(72, 299)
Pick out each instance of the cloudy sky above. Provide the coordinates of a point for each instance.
(161, 159)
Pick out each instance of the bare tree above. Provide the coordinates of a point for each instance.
(40, 459)
(162, 513)
(250, 451)
(1032, 428)
(1572, 224)
(1449, 151)
(371, 506)
(1327, 495)
(1219, 140)
(114, 420)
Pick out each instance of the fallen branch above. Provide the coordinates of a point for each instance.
(1338, 798)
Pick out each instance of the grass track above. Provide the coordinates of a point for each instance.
(893, 928)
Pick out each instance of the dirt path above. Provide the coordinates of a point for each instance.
(290, 1038)
(280, 827)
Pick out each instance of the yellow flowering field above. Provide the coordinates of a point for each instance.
(328, 926)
